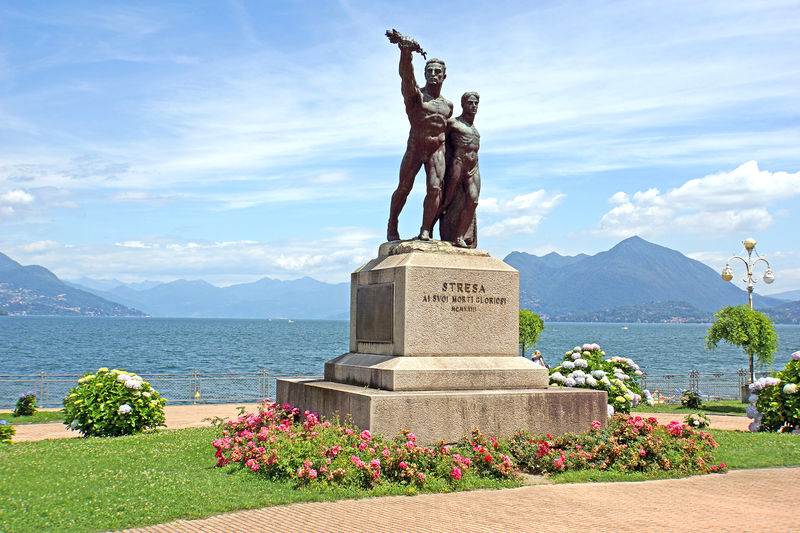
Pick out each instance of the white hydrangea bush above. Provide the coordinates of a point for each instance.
(775, 400)
(587, 367)
(111, 403)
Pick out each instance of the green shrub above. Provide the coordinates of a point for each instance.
(697, 420)
(585, 367)
(691, 399)
(625, 444)
(111, 403)
(776, 400)
(26, 404)
(7, 431)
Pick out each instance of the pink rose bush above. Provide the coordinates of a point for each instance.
(625, 443)
(280, 442)
(587, 367)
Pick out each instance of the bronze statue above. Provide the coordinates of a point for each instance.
(462, 184)
(428, 112)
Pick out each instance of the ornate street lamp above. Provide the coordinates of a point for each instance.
(750, 246)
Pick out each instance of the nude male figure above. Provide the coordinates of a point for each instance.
(427, 112)
(463, 174)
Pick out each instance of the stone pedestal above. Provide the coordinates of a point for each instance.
(434, 349)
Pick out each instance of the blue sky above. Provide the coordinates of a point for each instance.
(234, 140)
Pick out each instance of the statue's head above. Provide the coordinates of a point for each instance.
(469, 102)
(435, 72)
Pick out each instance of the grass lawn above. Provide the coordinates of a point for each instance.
(721, 407)
(36, 418)
(94, 484)
(99, 484)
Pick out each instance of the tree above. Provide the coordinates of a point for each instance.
(749, 329)
(530, 326)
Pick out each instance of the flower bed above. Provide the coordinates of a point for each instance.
(280, 443)
(625, 443)
(585, 367)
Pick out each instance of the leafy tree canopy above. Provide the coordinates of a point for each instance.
(751, 330)
(530, 326)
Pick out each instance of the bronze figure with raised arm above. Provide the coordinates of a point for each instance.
(427, 112)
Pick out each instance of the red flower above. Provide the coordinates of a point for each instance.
(487, 458)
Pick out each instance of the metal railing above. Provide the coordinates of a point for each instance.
(667, 388)
(197, 387)
(193, 387)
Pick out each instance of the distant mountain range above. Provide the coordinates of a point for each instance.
(633, 272)
(789, 296)
(34, 290)
(635, 281)
(265, 298)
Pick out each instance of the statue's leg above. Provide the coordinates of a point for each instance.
(408, 171)
(451, 182)
(434, 169)
(472, 189)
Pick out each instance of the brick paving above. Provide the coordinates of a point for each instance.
(741, 500)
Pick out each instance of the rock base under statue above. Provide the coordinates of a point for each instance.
(448, 415)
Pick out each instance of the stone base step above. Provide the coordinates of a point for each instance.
(396, 373)
(448, 415)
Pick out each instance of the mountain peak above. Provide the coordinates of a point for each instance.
(6, 263)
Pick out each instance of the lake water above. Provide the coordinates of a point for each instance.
(67, 345)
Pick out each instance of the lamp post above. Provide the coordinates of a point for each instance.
(750, 246)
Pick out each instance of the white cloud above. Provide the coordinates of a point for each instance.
(136, 244)
(16, 196)
(41, 246)
(329, 259)
(715, 204)
(523, 213)
(14, 203)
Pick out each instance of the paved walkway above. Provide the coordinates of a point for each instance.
(741, 500)
(178, 416)
(728, 422)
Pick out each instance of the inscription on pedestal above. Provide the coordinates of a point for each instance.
(461, 297)
(374, 313)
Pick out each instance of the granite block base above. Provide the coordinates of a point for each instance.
(448, 415)
(388, 372)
